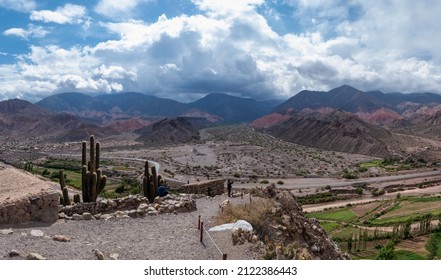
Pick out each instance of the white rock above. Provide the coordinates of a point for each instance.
(143, 206)
(37, 233)
(152, 213)
(35, 256)
(61, 238)
(240, 224)
(224, 203)
(6, 231)
(77, 217)
(99, 255)
(106, 216)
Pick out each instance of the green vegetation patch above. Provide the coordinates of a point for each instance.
(329, 226)
(421, 198)
(344, 233)
(407, 255)
(401, 219)
(373, 163)
(341, 215)
(437, 236)
(73, 178)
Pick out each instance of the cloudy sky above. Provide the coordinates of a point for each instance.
(183, 49)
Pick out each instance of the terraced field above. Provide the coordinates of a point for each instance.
(362, 229)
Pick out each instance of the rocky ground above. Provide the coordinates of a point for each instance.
(165, 236)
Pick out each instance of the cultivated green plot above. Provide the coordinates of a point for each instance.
(408, 255)
(329, 226)
(340, 215)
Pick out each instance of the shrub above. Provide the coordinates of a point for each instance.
(387, 252)
(54, 175)
(264, 182)
(258, 214)
(349, 175)
(280, 183)
(377, 192)
(362, 169)
(120, 189)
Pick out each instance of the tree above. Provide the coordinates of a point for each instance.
(350, 244)
(432, 247)
(387, 252)
(407, 227)
(425, 223)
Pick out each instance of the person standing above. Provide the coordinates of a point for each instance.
(229, 186)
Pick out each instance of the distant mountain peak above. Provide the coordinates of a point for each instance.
(344, 87)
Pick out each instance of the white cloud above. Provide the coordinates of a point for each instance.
(407, 27)
(115, 73)
(117, 8)
(232, 48)
(219, 7)
(18, 5)
(68, 14)
(32, 32)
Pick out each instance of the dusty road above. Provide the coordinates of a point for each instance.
(303, 183)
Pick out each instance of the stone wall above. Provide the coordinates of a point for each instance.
(132, 206)
(209, 188)
(38, 207)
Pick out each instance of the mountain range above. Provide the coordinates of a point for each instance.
(218, 107)
(342, 119)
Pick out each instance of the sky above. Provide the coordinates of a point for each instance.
(184, 49)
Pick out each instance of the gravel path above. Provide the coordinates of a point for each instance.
(166, 236)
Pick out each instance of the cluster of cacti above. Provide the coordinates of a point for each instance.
(65, 200)
(28, 166)
(151, 182)
(77, 198)
(92, 179)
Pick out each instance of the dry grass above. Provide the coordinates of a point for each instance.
(257, 213)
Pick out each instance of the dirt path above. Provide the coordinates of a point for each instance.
(166, 236)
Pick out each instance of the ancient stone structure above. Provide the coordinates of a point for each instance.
(209, 188)
(132, 206)
(41, 206)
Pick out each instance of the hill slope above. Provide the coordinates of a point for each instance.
(21, 120)
(170, 130)
(234, 109)
(336, 131)
(353, 100)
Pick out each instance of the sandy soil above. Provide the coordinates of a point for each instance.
(15, 183)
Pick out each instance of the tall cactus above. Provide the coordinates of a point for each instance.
(92, 180)
(65, 199)
(150, 182)
(146, 181)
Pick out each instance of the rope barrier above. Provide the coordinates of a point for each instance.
(217, 247)
(202, 229)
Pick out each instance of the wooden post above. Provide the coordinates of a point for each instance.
(199, 222)
(202, 231)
